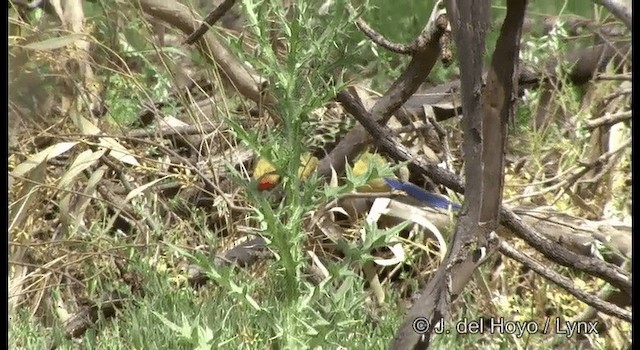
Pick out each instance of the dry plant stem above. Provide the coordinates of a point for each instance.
(622, 77)
(608, 294)
(172, 131)
(444, 140)
(209, 185)
(565, 283)
(54, 270)
(417, 71)
(573, 178)
(577, 234)
(413, 127)
(615, 94)
(607, 168)
(210, 20)
(76, 193)
(123, 208)
(357, 139)
(556, 178)
(418, 44)
(602, 160)
(238, 157)
(155, 226)
(249, 84)
(608, 272)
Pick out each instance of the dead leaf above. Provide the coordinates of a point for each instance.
(118, 151)
(41, 157)
(82, 162)
(55, 43)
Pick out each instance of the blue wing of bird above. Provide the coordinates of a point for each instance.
(431, 199)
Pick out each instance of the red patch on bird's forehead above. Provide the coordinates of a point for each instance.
(265, 184)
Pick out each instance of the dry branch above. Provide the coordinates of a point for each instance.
(486, 113)
(585, 63)
(619, 8)
(576, 234)
(210, 20)
(248, 83)
(565, 283)
(88, 315)
(575, 26)
(378, 38)
(357, 139)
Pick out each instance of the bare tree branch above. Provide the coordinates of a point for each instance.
(210, 20)
(470, 22)
(378, 38)
(619, 9)
(249, 84)
(565, 283)
(584, 64)
(608, 120)
(357, 139)
(420, 43)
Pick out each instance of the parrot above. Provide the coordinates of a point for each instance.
(366, 161)
(387, 184)
(265, 175)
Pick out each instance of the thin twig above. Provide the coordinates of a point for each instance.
(378, 38)
(209, 21)
(209, 185)
(615, 94)
(565, 283)
(573, 178)
(174, 130)
(144, 212)
(620, 77)
(444, 139)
